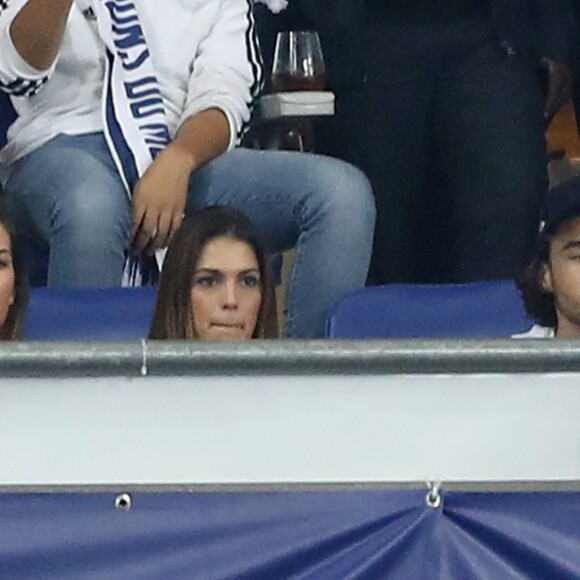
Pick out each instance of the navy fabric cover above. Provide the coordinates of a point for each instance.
(334, 535)
(476, 310)
(90, 314)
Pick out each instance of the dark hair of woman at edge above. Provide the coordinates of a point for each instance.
(13, 280)
(174, 317)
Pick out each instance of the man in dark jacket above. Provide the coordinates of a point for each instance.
(444, 104)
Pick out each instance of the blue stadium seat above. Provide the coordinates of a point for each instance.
(476, 310)
(90, 314)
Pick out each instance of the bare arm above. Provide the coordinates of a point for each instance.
(38, 29)
(203, 137)
(160, 195)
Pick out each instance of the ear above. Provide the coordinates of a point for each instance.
(545, 279)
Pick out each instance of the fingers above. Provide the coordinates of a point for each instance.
(138, 217)
(159, 199)
(176, 222)
(145, 234)
(161, 239)
(167, 225)
(154, 232)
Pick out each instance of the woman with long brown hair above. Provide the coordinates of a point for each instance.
(216, 282)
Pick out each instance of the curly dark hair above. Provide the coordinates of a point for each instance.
(539, 303)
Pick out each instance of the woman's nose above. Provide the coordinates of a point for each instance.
(230, 297)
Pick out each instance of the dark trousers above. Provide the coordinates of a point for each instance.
(449, 129)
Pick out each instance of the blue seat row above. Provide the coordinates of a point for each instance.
(90, 314)
(476, 310)
(491, 309)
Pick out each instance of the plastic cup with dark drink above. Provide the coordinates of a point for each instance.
(298, 63)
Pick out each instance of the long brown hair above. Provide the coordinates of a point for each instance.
(13, 327)
(173, 317)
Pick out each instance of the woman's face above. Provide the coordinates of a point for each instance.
(226, 293)
(6, 275)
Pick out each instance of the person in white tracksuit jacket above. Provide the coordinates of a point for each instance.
(64, 168)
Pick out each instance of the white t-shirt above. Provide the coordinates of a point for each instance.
(536, 332)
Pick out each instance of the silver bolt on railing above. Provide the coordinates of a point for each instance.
(433, 498)
(123, 502)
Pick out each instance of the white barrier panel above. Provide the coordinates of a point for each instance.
(275, 429)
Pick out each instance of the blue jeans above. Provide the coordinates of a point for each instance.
(68, 198)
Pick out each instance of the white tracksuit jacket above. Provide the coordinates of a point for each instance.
(204, 53)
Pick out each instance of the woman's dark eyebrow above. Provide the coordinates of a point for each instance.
(217, 270)
(572, 244)
(4, 251)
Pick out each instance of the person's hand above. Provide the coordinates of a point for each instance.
(159, 200)
(160, 196)
(559, 89)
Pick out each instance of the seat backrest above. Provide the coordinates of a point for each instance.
(476, 310)
(89, 313)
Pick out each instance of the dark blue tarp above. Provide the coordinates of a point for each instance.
(270, 535)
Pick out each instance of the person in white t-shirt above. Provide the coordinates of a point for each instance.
(551, 285)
